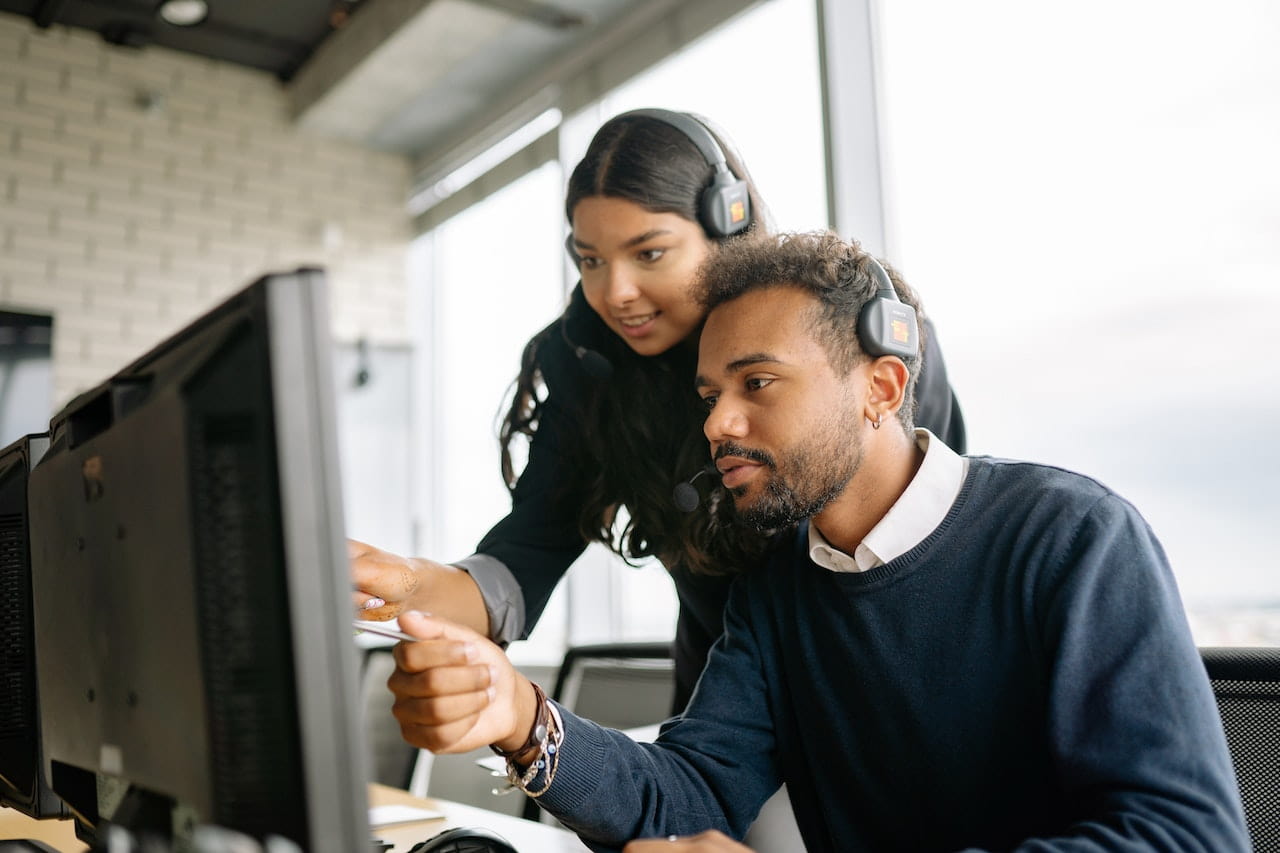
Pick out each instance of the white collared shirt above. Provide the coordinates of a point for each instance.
(915, 514)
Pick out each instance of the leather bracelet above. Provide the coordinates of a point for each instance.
(544, 760)
(537, 733)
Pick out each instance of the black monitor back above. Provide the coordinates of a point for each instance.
(22, 782)
(191, 590)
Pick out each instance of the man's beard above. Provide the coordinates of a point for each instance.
(808, 478)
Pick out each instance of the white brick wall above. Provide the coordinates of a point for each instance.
(126, 223)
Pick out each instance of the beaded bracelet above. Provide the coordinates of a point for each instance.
(547, 734)
(551, 752)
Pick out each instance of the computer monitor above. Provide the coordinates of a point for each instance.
(191, 590)
(22, 781)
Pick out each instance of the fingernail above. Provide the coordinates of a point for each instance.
(372, 604)
(491, 693)
(469, 652)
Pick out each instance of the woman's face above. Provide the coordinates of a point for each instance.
(638, 269)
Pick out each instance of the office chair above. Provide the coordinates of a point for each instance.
(1246, 683)
(630, 685)
(620, 685)
(391, 759)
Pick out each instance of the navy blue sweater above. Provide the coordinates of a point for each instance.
(1022, 679)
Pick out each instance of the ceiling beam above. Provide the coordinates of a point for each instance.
(648, 32)
(384, 58)
(46, 12)
(547, 14)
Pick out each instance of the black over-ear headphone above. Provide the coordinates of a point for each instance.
(886, 324)
(725, 205)
(724, 208)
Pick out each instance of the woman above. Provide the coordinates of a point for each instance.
(605, 398)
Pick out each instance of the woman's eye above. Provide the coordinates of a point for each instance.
(590, 263)
(709, 400)
(755, 383)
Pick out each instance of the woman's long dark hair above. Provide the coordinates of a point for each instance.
(641, 429)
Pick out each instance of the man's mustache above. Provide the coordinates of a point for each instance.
(731, 449)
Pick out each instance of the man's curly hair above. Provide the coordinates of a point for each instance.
(836, 272)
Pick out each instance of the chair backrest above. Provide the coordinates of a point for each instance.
(620, 685)
(391, 759)
(1246, 683)
(631, 686)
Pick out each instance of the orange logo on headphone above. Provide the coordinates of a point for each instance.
(737, 211)
(901, 333)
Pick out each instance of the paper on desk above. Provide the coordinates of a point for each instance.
(394, 813)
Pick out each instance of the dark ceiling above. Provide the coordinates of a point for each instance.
(437, 80)
(270, 35)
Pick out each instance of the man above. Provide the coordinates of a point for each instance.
(947, 653)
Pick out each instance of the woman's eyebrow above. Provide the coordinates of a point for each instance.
(634, 241)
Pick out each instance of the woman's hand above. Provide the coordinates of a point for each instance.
(710, 841)
(386, 585)
(384, 582)
(456, 691)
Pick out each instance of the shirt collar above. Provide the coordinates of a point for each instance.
(916, 513)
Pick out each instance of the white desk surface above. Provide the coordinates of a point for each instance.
(526, 836)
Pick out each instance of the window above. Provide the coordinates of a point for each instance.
(782, 147)
(756, 78)
(488, 279)
(26, 374)
(480, 316)
(1086, 197)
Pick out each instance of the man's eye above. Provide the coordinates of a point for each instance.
(757, 382)
(651, 255)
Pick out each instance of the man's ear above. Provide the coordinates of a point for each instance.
(886, 386)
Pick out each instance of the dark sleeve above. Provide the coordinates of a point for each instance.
(539, 539)
(1132, 722)
(711, 768)
(937, 408)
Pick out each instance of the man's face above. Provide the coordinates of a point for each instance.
(783, 426)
